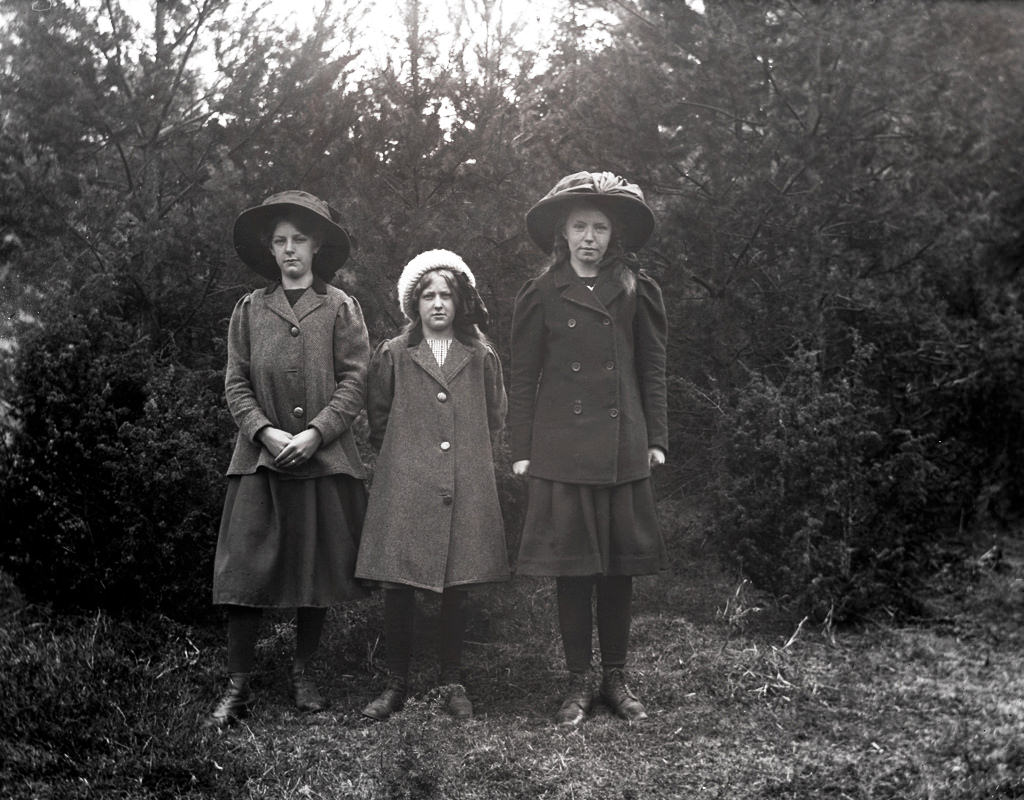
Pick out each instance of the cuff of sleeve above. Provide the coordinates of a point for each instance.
(253, 424)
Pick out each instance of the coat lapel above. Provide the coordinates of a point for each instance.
(575, 291)
(607, 290)
(422, 355)
(278, 303)
(458, 356)
(308, 303)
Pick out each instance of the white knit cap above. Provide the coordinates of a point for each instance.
(420, 266)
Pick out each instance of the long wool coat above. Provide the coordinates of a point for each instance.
(588, 392)
(434, 519)
(277, 374)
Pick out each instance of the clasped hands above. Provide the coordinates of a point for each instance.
(289, 450)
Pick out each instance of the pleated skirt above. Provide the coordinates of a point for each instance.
(288, 543)
(577, 529)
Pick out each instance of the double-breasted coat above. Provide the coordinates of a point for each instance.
(434, 519)
(588, 393)
(276, 375)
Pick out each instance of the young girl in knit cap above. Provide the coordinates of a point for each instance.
(435, 400)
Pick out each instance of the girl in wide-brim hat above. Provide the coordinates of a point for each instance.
(295, 381)
(252, 233)
(618, 198)
(588, 421)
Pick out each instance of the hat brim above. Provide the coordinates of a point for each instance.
(633, 216)
(251, 245)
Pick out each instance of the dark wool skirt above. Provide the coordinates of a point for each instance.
(576, 529)
(288, 543)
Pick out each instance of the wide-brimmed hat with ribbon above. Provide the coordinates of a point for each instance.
(622, 200)
(252, 230)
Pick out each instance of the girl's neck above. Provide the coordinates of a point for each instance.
(437, 335)
(297, 283)
(585, 270)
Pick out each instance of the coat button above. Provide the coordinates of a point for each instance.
(571, 323)
(575, 366)
(441, 396)
(294, 331)
(447, 499)
(577, 407)
(298, 411)
(613, 413)
(446, 446)
(609, 365)
(606, 322)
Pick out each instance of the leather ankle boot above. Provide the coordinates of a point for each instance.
(618, 696)
(458, 704)
(577, 699)
(307, 697)
(389, 701)
(234, 704)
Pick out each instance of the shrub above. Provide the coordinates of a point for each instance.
(821, 497)
(111, 481)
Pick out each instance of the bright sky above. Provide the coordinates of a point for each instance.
(383, 18)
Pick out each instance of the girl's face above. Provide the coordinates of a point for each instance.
(293, 250)
(587, 232)
(437, 306)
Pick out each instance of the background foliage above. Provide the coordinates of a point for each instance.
(838, 188)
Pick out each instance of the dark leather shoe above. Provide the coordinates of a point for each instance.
(388, 702)
(458, 704)
(619, 698)
(307, 696)
(233, 706)
(577, 701)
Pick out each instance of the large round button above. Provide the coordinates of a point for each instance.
(577, 407)
(606, 322)
(294, 331)
(575, 366)
(298, 411)
(571, 323)
(447, 499)
(613, 413)
(609, 365)
(446, 446)
(441, 397)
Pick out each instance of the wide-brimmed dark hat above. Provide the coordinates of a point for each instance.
(621, 199)
(252, 230)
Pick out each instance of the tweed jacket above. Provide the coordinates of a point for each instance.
(297, 368)
(588, 392)
(433, 518)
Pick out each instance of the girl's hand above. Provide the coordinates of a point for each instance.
(300, 448)
(274, 439)
(655, 456)
(521, 467)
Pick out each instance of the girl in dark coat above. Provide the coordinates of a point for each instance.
(435, 400)
(588, 421)
(295, 380)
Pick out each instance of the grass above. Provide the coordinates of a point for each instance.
(745, 702)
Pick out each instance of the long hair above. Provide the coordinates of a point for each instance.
(620, 264)
(470, 312)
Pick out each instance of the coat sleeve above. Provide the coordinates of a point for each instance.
(497, 400)
(238, 391)
(651, 336)
(380, 392)
(527, 365)
(351, 353)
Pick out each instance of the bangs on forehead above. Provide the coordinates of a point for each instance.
(424, 281)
